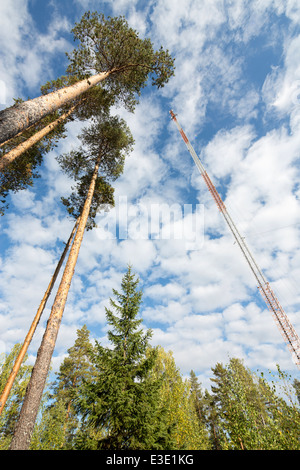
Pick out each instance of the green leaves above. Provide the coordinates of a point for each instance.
(249, 414)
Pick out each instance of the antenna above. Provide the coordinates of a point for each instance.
(284, 325)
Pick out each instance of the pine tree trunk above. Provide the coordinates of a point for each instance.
(19, 117)
(34, 324)
(24, 146)
(23, 432)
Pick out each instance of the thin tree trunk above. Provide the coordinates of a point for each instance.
(23, 432)
(27, 144)
(21, 116)
(19, 133)
(34, 324)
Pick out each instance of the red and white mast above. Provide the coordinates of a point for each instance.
(285, 327)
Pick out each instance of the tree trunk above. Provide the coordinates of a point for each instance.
(23, 432)
(34, 324)
(21, 148)
(19, 117)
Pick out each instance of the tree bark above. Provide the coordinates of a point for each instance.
(34, 324)
(27, 144)
(21, 116)
(23, 432)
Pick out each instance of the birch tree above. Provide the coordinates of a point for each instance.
(113, 145)
(108, 50)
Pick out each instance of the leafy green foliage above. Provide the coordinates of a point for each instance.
(109, 44)
(133, 396)
(10, 413)
(249, 414)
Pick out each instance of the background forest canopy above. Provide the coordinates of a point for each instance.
(90, 404)
(98, 132)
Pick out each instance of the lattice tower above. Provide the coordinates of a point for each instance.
(285, 327)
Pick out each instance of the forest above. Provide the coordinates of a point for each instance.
(132, 396)
(128, 395)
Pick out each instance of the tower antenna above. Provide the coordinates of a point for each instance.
(284, 325)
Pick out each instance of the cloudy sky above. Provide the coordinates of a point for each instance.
(236, 93)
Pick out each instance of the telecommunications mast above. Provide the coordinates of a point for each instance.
(285, 327)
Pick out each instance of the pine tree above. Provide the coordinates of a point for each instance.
(109, 138)
(94, 102)
(112, 145)
(19, 173)
(59, 424)
(110, 49)
(120, 408)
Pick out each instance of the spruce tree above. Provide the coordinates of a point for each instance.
(121, 408)
(197, 397)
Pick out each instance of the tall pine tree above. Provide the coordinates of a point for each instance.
(111, 146)
(113, 52)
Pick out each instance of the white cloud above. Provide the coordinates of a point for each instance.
(282, 86)
(26, 55)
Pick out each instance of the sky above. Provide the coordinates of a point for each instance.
(236, 93)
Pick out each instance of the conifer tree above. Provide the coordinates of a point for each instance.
(112, 145)
(18, 174)
(94, 102)
(197, 397)
(9, 416)
(121, 408)
(111, 51)
(59, 424)
(177, 401)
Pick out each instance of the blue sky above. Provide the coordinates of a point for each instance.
(235, 93)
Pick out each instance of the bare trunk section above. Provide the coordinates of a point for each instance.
(21, 116)
(21, 148)
(18, 134)
(34, 324)
(23, 432)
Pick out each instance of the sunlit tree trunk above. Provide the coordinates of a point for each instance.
(27, 144)
(23, 432)
(27, 341)
(21, 116)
